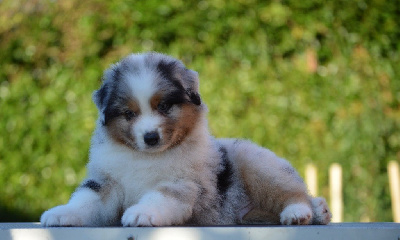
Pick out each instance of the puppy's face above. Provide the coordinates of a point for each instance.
(149, 102)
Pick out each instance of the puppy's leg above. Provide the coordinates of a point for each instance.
(321, 212)
(92, 204)
(274, 187)
(169, 204)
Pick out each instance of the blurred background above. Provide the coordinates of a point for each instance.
(315, 81)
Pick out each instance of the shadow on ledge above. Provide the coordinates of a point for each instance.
(16, 215)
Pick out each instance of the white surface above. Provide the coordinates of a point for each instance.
(364, 231)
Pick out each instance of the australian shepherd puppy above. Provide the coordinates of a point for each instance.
(153, 161)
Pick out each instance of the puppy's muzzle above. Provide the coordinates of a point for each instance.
(151, 138)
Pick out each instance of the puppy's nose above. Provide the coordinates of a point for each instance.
(151, 138)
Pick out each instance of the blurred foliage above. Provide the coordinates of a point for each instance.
(315, 81)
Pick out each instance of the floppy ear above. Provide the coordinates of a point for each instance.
(99, 96)
(191, 85)
(181, 77)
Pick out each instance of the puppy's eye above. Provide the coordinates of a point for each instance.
(129, 114)
(164, 107)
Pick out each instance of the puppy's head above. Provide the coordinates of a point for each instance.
(149, 102)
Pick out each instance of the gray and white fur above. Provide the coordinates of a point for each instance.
(153, 161)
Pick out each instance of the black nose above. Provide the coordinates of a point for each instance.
(151, 138)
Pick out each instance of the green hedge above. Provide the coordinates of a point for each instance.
(315, 81)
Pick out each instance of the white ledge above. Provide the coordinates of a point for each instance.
(364, 231)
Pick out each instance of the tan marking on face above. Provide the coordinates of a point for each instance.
(120, 128)
(133, 106)
(176, 129)
(155, 100)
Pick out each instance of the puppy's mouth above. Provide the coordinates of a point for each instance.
(154, 149)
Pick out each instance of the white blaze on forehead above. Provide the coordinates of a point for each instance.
(143, 88)
(141, 81)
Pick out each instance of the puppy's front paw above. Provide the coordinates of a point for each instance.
(142, 215)
(62, 216)
(296, 214)
(321, 213)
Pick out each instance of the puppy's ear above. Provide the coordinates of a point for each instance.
(191, 85)
(181, 77)
(99, 96)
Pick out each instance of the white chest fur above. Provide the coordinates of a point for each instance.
(136, 173)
